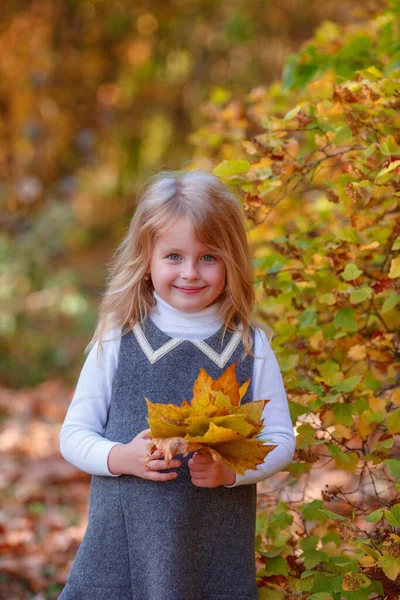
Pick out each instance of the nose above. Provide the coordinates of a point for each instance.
(189, 270)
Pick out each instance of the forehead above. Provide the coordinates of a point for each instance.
(180, 235)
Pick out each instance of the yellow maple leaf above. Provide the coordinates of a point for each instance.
(357, 352)
(213, 423)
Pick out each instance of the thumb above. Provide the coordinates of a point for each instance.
(145, 434)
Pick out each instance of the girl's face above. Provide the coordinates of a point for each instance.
(184, 272)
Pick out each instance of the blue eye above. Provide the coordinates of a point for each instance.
(208, 258)
(173, 256)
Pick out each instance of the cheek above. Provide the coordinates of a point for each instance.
(219, 276)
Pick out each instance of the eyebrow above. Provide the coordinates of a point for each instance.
(180, 251)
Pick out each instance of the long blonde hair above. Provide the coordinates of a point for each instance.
(217, 217)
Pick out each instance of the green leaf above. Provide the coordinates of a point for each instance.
(391, 302)
(296, 410)
(351, 272)
(343, 412)
(356, 595)
(344, 460)
(312, 511)
(312, 558)
(332, 536)
(392, 516)
(390, 566)
(320, 596)
(328, 369)
(307, 319)
(375, 516)
(276, 566)
(227, 168)
(389, 146)
(287, 363)
(268, 594)
(333, 515)
(371, 73)
(330, 398)
(346, 385)
(345, 319)
(348, 234)
(343, 134)
(292, 113)
(396, 244)
(394, 467)
(369, 151)
(360, 294)
(309, 543)
(393, 421)
(387, 170)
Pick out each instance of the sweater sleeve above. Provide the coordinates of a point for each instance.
(278, 429)
(82, 441)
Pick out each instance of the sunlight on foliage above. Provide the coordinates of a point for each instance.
(316, 161)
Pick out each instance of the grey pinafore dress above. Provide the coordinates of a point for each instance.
(167, 540)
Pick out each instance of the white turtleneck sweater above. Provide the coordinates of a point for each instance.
(82, 440)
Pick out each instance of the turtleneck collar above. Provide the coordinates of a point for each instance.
(175, 323)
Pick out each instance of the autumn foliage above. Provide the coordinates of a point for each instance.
(316, 160)
(213, 423)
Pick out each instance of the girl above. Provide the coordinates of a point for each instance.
(179, 297)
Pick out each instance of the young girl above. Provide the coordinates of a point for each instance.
(179, 297)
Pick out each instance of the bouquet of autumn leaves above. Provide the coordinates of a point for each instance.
(214, 423)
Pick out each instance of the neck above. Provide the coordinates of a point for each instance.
(175, 323)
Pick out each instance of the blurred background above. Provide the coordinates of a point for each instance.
(95, 97)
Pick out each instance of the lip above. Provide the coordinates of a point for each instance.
(189, 290)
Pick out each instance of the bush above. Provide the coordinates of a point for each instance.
(316, 160)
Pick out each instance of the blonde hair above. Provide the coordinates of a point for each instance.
(217, 217)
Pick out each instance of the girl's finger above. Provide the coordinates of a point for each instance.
(199, 458)
(156, 465)
(198, 468)
(156, 454)
(144, 434)
(157, 476)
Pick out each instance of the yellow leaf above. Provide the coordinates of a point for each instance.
(395, 398)
(357, 352)
(214, 423)
(202, 384)
(370, 246)
(364, 426)
(394, 267)
(241, 455)
(221, 403)
(249, 147)
(341, 431)
(228, 385)
(367, 561)
(243, 388)
(215, 435)
(328, 418)
(236, 422)
(165, 420)
(347, 461)
(377, 405)
(317, 341)
(253, 410)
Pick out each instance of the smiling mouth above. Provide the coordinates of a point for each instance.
(189, 290)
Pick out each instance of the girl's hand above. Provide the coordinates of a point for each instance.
(206, 472)
(134, 459)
